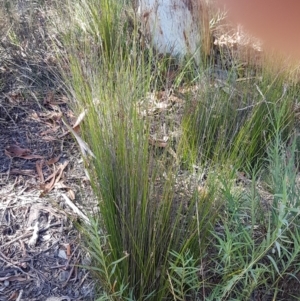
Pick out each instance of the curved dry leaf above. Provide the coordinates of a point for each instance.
(54, 177)
(13, 278)
(53, 160)
(39, 169)
(16, 151)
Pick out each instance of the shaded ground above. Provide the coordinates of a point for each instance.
(40, 169)
(38, 240)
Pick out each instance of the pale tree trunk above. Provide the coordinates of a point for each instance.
(176, 27)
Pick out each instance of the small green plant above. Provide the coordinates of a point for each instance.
(183, 275)
(256, 256)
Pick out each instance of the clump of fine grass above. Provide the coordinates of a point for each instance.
(235, 121)
(140, 225)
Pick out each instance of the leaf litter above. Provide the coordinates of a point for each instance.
(39, 167)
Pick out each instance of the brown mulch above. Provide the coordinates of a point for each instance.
(43, 187)
(39, 168)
